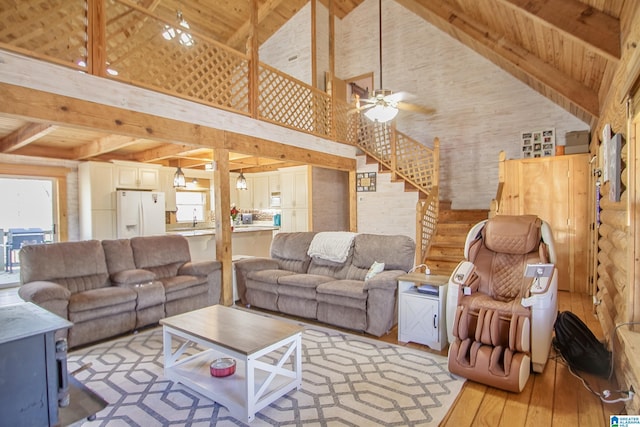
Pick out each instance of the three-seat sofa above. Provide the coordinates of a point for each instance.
(111, 287)
(302, 281)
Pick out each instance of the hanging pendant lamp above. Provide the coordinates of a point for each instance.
(241, 182)
(179, 180)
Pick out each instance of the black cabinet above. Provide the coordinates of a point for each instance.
(32, 377)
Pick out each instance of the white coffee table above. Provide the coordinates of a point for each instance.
(268, 354)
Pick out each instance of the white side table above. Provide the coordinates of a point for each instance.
(421, 316)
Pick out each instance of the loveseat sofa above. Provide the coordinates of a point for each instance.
(111, 287)
(302, 281)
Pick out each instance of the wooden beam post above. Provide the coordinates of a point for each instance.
(223, 223)
(96, 43)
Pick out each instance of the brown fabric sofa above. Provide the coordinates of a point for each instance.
(115, 286)
(292, 282)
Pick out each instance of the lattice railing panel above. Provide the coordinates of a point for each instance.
(427, 223)
(205, 71)
(345, 122)
(290, 102)
(375, 139)
(415, 161)
(55, 29)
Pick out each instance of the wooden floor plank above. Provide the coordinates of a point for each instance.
(468, 402)
(490, 413)
(565, 405)
(540, 411)
(516, 407)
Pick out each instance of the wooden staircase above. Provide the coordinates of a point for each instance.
(447, 246)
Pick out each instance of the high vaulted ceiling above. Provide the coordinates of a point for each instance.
(567, 50)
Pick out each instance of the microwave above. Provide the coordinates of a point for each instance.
(275, 200)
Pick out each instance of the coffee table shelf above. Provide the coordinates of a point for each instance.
(262, 375)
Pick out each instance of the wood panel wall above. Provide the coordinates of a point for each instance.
(616, 246)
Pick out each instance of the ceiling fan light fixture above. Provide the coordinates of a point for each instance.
(381, 113)
(241, 182)
(179, 181)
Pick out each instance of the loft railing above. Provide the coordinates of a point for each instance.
(496, 203)
(120, 40)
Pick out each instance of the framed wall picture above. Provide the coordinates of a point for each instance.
(540, 143)
(365, 181)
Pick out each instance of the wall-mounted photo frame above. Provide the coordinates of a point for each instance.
(366, 181)
(541, 143)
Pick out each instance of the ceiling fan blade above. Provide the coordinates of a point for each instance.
(397, 97)
(414, 108)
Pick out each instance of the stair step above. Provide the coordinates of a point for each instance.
(469, 215)
(442, 267)
(455, 228)
(438, 251)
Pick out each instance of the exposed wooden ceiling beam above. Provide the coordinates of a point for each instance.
(163, 152)
(237, 39)
(489, 44)
(103, 145)
(24, 136)
(595, 30)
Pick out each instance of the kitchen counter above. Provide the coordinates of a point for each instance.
(246, 239)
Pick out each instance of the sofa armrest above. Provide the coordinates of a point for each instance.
(132, 277)
(245, 266)
(39, 292)
(387, 279)
(200, 268)
(49, 295)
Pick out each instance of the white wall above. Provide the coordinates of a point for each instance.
(481, 109)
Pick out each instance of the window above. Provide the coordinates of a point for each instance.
(191, 205)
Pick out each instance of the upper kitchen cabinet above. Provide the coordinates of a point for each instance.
(133, 176)
(293, 187)
(166, 186)
(261, 196)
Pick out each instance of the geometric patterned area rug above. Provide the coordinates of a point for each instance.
(347, 380)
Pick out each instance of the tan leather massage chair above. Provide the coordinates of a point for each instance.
(499, 321)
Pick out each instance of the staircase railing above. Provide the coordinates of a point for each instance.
(416, 164)
(494, 206)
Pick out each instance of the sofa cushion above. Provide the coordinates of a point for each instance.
(119, 255)
(267, 276)
(346, 293)
(370, 248)
(290, 250)
(178, 283)
(163, 255)
(303, 280)
(78, 266)
(133, 277)
(98, 298)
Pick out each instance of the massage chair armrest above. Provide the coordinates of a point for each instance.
(542, 291)
(199, 268)
(387, 279)
(41, 291)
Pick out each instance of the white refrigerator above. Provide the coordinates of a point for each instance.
(139, 213)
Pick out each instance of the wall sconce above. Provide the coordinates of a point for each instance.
(179, 180)
(241, 182)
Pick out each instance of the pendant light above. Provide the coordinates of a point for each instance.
(179, 180)
(241, 182)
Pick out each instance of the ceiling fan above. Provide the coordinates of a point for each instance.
(384, 105)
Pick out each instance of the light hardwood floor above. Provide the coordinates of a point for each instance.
(553, 398)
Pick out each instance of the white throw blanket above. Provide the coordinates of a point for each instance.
(331, 245)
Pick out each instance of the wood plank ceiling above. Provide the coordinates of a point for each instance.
(567, 50)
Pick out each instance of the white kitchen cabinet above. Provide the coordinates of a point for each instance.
(421, 316)
(293, 187)
(294, 220)
(166, 186)
(133, 177)
(245, 197)
(261, 195)
(97, 214)
(274, 183)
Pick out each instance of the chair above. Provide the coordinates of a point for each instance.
(499, 322)
(17, 238)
